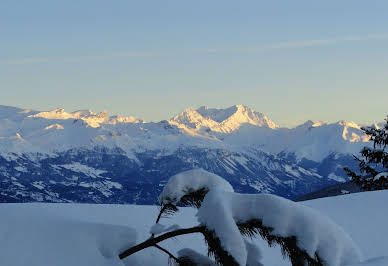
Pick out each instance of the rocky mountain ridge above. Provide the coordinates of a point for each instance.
(86, 157)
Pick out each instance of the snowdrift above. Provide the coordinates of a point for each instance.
(82, 234)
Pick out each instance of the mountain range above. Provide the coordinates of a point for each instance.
(81, 156)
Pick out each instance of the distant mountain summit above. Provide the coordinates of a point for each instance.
(92, 119)
(81, 156)
(238, 126)
(221, 120)
(60, 113)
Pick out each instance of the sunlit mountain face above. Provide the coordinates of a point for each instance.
(59, 156)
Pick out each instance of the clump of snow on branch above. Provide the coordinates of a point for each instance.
(315, 233)
(216, 214)
(189, 181)
(195, 257)
(381, 175)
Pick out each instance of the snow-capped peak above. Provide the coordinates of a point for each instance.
(83, 113)
(348, 124)
(222, 120)
(306, 124)
(60, 114)
(92, 119)
(320, 123)
(127, 119)
(325, 138)
(238, 126)
(352, 132)
(217, 115)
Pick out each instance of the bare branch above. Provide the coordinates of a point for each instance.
(153, 241)
(167, 252)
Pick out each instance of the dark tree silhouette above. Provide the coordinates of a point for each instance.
(374, 162)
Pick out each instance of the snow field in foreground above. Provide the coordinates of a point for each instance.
(83, 234)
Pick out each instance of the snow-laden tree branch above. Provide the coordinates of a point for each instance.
(226, 219)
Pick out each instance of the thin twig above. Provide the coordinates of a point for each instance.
(167, 252)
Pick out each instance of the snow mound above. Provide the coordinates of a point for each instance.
(220, 211)
(192, 180)
(47, 240)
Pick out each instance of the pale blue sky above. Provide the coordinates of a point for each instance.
(292, 60)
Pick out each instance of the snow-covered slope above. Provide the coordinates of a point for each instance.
(71, 234)
(237, 126)
(92, 119)
(102, 175)
(242, 145)
(320, 140)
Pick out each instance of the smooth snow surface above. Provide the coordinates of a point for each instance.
(80, 234)
(36, 237)
(383, 261)
(192, 180)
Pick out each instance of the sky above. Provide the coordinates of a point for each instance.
(292, 60)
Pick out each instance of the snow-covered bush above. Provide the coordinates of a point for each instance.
(227, 219)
